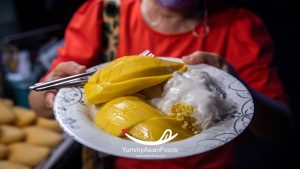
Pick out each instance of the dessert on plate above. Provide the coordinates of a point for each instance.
(144, 96)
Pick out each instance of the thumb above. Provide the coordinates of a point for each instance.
(68, 68)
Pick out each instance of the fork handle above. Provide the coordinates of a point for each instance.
(59, 81)
(60, 85)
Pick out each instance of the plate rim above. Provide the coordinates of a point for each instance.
(130, 155)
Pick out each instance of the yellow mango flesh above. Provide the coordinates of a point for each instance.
(129, 67)
(153, 128)
(103, 92)
(128, 75)
(123, 113)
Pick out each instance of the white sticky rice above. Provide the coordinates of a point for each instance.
(199, 90)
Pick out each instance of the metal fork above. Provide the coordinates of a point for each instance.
(72, 80)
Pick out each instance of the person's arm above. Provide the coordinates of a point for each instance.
(82, 44)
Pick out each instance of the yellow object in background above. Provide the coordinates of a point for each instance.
(11, 134)
(50, 124)
(27, 154)
(19, 125)
(3, 151)
(123, 113)
(6, 102)
(128, 75)
(6, 114)
(42, 137)
(24, 116)
(152, 129)
(11, 165)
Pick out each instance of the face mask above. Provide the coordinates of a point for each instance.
(176, 3)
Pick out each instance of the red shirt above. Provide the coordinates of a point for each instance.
(235, 34)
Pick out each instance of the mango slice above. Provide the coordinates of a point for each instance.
(123, 113)
(128, 75)
(153, 129)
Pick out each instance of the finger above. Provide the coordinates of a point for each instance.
(212, 59)
(67, 69)
(194, 58)
(203, 57)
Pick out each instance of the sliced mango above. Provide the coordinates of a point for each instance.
(123, 113)
(153, 129)
(103, 92)
(130, 67)
(128, 75)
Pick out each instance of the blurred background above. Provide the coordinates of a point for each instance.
(32, 30)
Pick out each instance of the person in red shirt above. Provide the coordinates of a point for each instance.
(232, 39)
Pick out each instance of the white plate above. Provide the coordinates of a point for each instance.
(75, 117)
